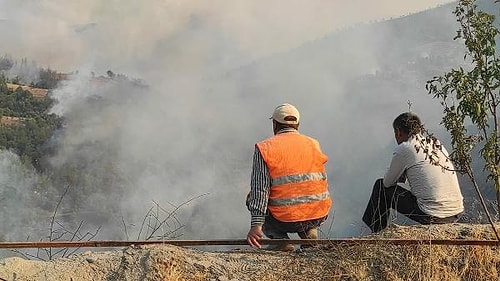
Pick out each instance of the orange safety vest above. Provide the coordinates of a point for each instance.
(299, 188)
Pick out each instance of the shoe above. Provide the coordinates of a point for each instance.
(283, 247)
(309, 234)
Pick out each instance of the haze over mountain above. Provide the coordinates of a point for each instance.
(192, 131)
(128, 35)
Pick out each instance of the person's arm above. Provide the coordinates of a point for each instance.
(402, 178)
(396, 172)
(258, 197)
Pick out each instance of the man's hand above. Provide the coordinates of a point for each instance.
(254, 235)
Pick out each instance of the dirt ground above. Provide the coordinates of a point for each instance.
(329, 262)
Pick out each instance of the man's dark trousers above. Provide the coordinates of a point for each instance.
(398, 198)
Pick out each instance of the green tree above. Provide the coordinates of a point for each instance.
(471, 98)
(47, 79)
(6, 62)
(29, 137)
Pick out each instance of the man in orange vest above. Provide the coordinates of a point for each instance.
(288, 187)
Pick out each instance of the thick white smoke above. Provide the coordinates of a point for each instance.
(215, 71)
(125, 34)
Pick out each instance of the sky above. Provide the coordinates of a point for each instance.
(215, 71)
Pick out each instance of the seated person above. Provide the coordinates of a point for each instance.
(433, 196)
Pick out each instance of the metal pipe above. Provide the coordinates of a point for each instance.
(228, 242)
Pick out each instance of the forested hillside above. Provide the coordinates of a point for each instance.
(29, 135)
(109, 147)
(32, 188)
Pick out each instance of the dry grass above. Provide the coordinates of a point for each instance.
(36, 92)
(412, 262)
(417, 262)
(11, 121)
(356, 262)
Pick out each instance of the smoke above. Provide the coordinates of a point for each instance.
(20, 188)
(124, 34)
(214, 72)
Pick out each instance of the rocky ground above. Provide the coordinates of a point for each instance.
(329, 262)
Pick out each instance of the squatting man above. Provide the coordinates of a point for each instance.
(288, 187)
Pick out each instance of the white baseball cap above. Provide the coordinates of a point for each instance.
(286, 114)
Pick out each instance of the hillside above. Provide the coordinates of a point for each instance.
(335, 262)
(118, 148)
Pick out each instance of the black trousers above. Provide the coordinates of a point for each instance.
(275, 229)
(400, 199)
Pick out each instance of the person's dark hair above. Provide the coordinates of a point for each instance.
(280, 126)
(409, 123)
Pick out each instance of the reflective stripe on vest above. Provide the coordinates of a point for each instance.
(299, 200)
(298, 178)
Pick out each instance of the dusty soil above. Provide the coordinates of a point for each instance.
(36, 92)
(331, 262)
